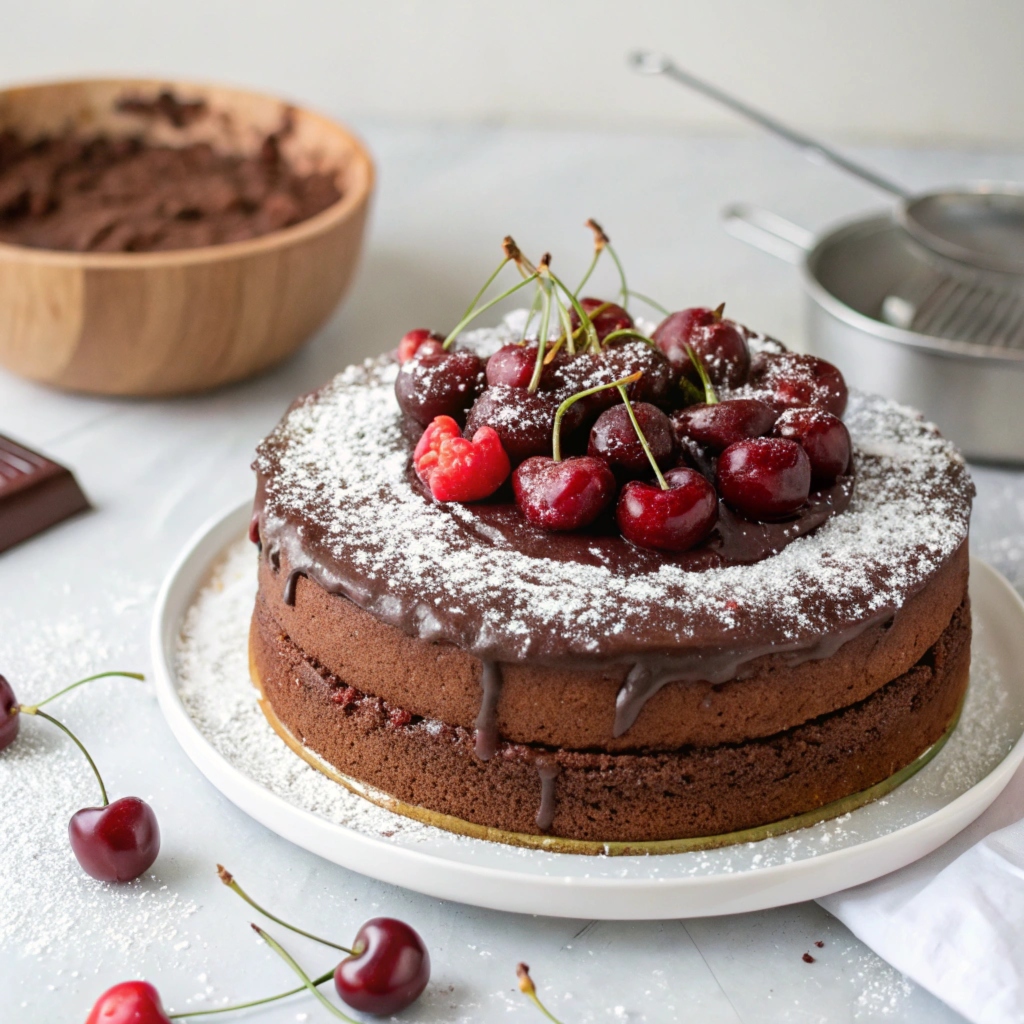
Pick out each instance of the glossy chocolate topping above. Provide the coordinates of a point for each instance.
(336, 502)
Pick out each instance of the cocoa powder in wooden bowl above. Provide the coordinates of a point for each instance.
(162, 238)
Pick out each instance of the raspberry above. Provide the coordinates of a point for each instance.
(456, 468)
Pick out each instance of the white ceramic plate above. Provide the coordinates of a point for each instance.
(268, 781)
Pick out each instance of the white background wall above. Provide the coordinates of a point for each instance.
(907, 70)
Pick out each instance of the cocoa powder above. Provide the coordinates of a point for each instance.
(104, 194)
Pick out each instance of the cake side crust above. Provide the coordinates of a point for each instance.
(619, 797)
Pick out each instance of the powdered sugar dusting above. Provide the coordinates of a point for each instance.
(338, 462)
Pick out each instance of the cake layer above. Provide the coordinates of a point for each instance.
(576, 708)
(697, 791)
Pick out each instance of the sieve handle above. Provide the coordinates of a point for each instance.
(647, 62)
(768, 232)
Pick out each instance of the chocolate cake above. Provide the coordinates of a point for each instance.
(583, 689)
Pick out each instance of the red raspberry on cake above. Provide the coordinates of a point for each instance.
(456, 468)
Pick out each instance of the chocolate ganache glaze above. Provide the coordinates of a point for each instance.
(337, 502)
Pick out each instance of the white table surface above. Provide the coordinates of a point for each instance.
(79, 599)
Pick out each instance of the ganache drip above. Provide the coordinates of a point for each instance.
(648, 676)
(485, 739)
(548, 772)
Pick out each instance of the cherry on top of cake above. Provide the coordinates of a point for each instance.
(596, 421)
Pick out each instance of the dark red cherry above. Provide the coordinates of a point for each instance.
(118, 842)
(566, 495)
(613, 438)
(523, 421)
(131, 1002)
(610, 318)
(389, 970)
(796, 381)
(411, 342)
(823, 436)
(620, 358)
(720, 343)
(660, 380)
(514, 365)
(764, 477)
(9, 718)
(724, 423)
(435, 382)
(672, 520)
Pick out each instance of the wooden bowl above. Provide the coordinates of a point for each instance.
(166, 323)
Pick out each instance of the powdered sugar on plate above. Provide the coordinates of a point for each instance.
(212, 679)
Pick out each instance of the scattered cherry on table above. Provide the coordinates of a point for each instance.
(388, 969)
(118, 842)
(9, 717)
(130, 1002)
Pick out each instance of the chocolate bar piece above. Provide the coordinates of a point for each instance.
(35, 493)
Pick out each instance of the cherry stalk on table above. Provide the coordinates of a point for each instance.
(385, 970)
(387, 967)
(115, 842)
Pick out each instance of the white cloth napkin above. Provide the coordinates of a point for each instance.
(954, 921)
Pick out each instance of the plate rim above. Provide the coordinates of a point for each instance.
(502, 888)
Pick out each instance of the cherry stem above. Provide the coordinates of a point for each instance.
(534, 306)
(573, 335)
(229, 880)
(649, 301)
(255, 1002)
(29, 709)
(585, 319)
(710, 398)
(643, 441)
(307, 982)
(556, 434)
(487, 284)
(598, 249)
(542, 339)
(473, 314)
(624, 288)
(628, 332)
(77, 742)
(567, 331)
(527, 987)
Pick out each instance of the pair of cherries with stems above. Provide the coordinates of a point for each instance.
(115, 842)
(673, 514)
(385, 971)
